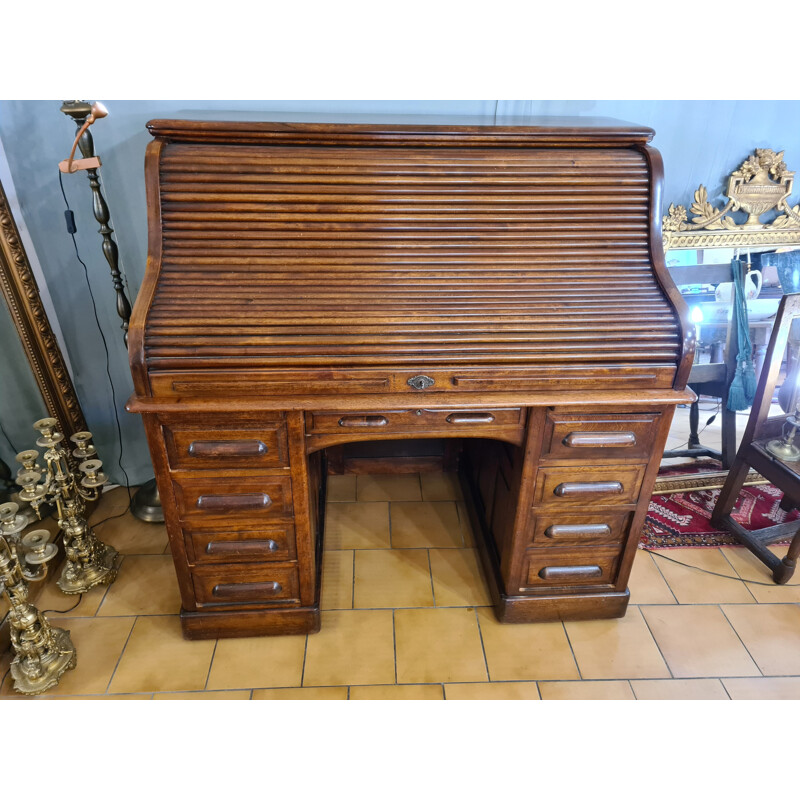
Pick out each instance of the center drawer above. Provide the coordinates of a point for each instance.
(414, 420)
(260, 498)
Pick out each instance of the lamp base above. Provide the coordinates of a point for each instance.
(53, 665)
(783, 450)
(146, 504)
(76, 580)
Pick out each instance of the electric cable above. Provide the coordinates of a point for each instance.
(71, 229)
(708, 572)
(66, 610)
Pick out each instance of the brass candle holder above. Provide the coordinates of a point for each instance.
(42, 653)
(89, 562)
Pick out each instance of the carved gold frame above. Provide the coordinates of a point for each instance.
(21, 294)
(762, 184)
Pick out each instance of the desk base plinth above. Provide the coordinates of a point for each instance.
(229, 624)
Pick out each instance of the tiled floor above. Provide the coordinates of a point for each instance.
(406, 616)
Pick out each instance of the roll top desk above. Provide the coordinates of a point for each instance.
(314, 284)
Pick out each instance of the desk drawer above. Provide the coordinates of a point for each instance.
(227, 444)
(574, 530)
(588, 486)
(273, 543)
(597, 437)
(420, 419)
(245, 584)
(595, 566)
(202, 501)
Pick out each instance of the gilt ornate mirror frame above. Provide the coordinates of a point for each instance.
(21, 294)
(761, 185)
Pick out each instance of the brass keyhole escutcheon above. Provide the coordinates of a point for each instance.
(420, 382)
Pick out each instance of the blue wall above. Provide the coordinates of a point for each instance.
(700, 141)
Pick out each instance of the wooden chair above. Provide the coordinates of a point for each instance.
(712, 379)
(753, 453)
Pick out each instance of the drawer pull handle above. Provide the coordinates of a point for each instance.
(242, 448)
(233, 502)
(256, 547)
(246, 591)
(364, 421)
(460, 417)
(623, 439)
(590, 487)
(569, 573)
(567, 531)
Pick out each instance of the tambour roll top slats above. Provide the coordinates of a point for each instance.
(281, 256)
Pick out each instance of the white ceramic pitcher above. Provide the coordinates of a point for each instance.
(752, 288)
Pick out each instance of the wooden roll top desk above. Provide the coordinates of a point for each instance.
(313, 284)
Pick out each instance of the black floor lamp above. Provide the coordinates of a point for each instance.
(146, 504)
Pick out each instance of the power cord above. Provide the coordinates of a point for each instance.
(708, 572)
(66, 610)
(72, 229)
(708, 422)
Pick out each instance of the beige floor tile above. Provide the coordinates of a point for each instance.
(771, 634)
(616, 648)
(586, 690)
(353, 647)
(237, 695)
(680, 689)
(337, 580)
(691, 586)
(524, 652)
(144, 585)
(158, 659)
(139, 696)
(763, 688)
(99, 643)
(350, 526)
(513, 690)
(112, 501)
(646, 583)
(263, 661)
(438, 646)
(698, 642)
(458, 578)
(431, 691)
(341, 489)
(751, 569)
(392, 579)
(51, 598)
(426, 525)
(440, 486)
(388, 487)
(131, 536)
(312, 693)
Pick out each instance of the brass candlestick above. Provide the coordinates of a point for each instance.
(784, 448)
(89, 562)
(43, 653)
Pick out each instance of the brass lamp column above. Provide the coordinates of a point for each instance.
(42, 653)
(146, 504)
(89, 562)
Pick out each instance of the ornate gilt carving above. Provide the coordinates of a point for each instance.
(762, 184)
(30, 319)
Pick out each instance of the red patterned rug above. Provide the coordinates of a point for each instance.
(683, 519)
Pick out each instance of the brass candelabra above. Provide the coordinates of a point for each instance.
(42, 653)
(89, 562)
